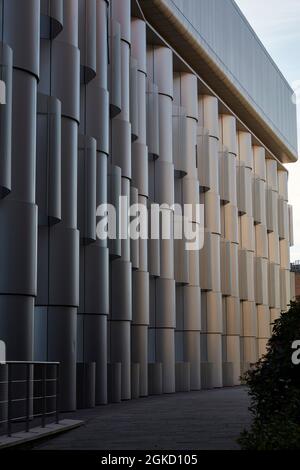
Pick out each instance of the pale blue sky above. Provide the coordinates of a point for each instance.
(277, 24)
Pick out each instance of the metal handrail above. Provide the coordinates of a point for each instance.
(29, 397)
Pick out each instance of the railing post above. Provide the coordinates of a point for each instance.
(57, 394)
(27, 396)
(9, 398)
(44, 384)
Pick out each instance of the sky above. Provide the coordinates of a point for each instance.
(277, 24)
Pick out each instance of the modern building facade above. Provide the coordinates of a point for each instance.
(162, 101)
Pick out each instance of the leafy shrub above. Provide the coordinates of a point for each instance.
(274, 389)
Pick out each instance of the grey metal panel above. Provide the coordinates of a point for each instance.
(140, 168)
(18, 219)
(165, 303)
(51, 18)
(138, 43)
(121, 291)
(96, 280)
(62, 348)
(95, 349)
(160, 68)
(16, 326)
(134, 243)
(87, 39)
(97, 103)
(140, 298)
(134, 110)
(64, 265)
(65, 77)
(192, 308)
(21, 22)
(152, 119)
(6, 62)
(48, 168)
(210, 21)
(121, 352)
(115, 69)
(121, 12)
(121, 145)
(87, 188)
(114, 193)
(164, 182)
(179, 141)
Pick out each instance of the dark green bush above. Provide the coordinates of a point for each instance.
(274, 389)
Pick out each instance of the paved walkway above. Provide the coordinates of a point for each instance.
(198, 420)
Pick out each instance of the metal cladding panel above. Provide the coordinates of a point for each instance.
(284, 254)
(272, 174)
(261, 241)
(121, 146)
(152, 107)
(65, 77)
(64, 265)
(249, 319)
(192, 308)
(228, 132)
(140, 168)
(51, 18)
(121, 12)
(205, 264)
(140, 298)
(204, 165)
(189, 94)
(244, 190)
(272, 210)
(87, 39)
(233, 316)
(18, 219)
(227, 177)
(207, 23)
(246, 281)
(226, 275)
(97, 103)
(259, 201)
(134, 244)
(274, 286)
(231, 223)
(164, 182)
(21, 32)
(96, 280)
(283, 218)
(247, 233)
(283, 177)
(61, 348)
(115, 89)
(212, 212)
(209, 114)
(138, 43)
(87, 184)
(6, 62)
(291, 225)
(259, 155)
(160, 69)
(134, 108)
(261, 281)
(48, 168)
(245, 152)
(263, 321)
(165, 303)
(165, 128)
(121, 290)
(180, 141)
(95, 342)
